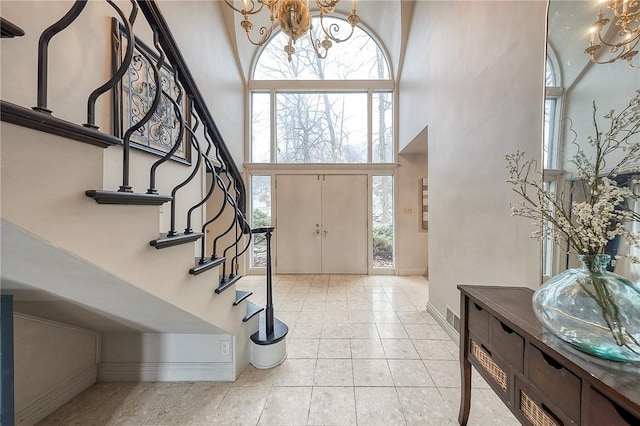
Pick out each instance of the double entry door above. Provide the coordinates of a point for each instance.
(321, 224)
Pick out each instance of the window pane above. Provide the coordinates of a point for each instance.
(358, 58)
(549, 148)
(260, 128)
(382, 138)
(321, 127)
(547, 241)
(260, 216)
(550, 75)
(382, 222)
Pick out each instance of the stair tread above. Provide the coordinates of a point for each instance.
(169, 241)
(240, 296)
(226, 282)
(260, 337)
(206, 265)
(128, 198)
(252, 310)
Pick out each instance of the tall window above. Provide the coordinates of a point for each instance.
(333, 110)
(382, 222)
(551, 150)
(260, 216)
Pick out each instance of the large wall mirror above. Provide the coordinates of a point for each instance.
(574, 82)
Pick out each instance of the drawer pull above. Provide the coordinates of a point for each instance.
(550, 413)
(552, 362)
(485, 349)
(625, 415)
(506, 328)
(478, 307)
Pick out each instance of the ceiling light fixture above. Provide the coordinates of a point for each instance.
(294, 19)
(623, 38)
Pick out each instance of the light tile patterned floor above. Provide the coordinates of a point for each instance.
(362, 350)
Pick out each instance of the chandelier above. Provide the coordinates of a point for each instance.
(623, 38)
(294, 19)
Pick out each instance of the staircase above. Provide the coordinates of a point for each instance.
(126, 236)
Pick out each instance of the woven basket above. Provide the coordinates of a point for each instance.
(494, 371)
(535, 414)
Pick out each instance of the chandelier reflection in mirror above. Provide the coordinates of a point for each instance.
(620, 37)
(294, 19)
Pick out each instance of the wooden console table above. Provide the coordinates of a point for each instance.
(542, 380)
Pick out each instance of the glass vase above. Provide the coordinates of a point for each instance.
(595, 310)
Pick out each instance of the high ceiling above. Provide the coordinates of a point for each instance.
(386, 20)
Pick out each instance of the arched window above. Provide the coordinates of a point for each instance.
(333, 110)
(358, 58)
(551, 113)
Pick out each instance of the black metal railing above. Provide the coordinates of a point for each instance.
(233, 193)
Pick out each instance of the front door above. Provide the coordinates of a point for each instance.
(321, 224)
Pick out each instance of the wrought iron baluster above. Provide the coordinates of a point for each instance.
(194, 142)
(43, 51)
(246, 247)
(212, 187)
(152, 174)
(125, 187)
(220, 183)
(113, 81)
(233, 244)
(234, 224)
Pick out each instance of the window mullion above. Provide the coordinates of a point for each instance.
(370, 126)
(272, 125)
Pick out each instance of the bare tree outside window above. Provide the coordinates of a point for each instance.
(382, 216)
(321, 127)
(260, 216)
(358, 58)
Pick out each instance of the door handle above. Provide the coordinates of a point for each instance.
(325, 233)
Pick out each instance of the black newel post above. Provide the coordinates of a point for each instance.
(269, 309)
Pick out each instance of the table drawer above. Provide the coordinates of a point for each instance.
(496, 375)
(530, 410)
(554, 381)
(478, 320)
(603, 411)
(508, 342)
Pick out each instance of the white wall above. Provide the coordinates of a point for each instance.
(411, 252)
(53, 363)
(480, 91)
(166, 357)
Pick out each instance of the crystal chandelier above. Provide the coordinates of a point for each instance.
(623, 38)
(294, 19)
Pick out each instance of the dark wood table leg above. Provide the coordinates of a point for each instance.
(465, 366)
(465, 390)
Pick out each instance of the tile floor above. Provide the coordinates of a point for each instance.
(362, 350)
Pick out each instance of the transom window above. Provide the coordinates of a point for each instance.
(312, 110)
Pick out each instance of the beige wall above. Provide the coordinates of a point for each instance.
(411, 255)
(53, 362)
(480, 91)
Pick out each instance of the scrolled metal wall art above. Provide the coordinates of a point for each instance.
(135, 95)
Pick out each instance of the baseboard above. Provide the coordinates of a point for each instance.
(56, 398)
(442, 322)
(420, 272)
(165, 372)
